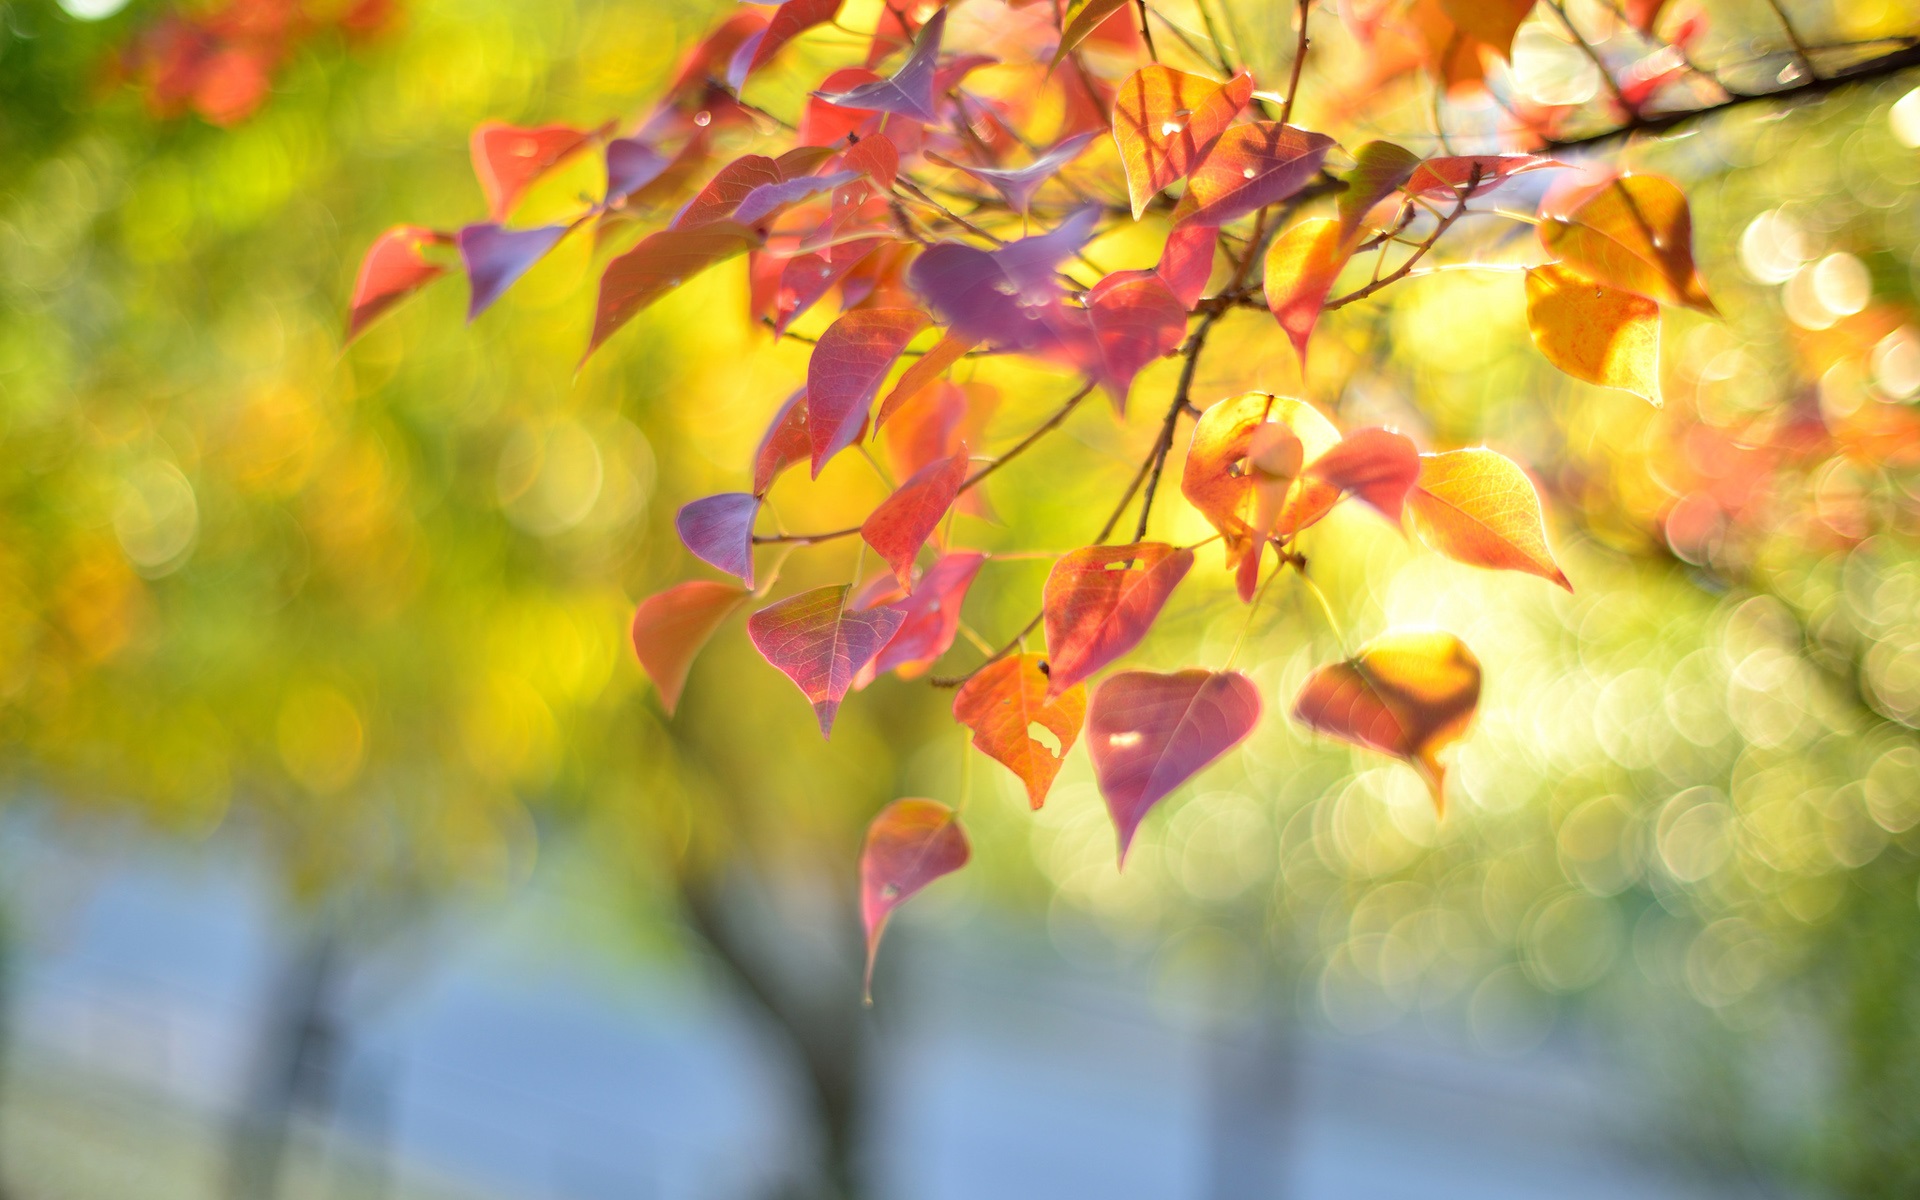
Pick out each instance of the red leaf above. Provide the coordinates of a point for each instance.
(909, 92)
(1250, 167)
(732, 184)
(670, 628)
(1448, 175)
(1004, 701)
(929, 430)
(1302, 264)
(1164, 120)
(1101, 600)
(822, 123)
(1149, 733)
(1187, 261)
(508, 159)
(784, 443)
(933, 615)
(904, 521)
(815, 641)
(719, 531)
(1136, 319)
(845, 372)
(876, 157)
(927, 368)
(1376, 465)
(495, 258)
(660, 263)
(909, 845)
(392, 270)
(808, 277)
(789, 21)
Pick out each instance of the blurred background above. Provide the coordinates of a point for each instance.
(347, 853)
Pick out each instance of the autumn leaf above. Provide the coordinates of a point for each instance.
(670, 628)
(876, 157)
(909, 92)
(495, 258)
(1450, 175)
(1379, 169)
(1636, 234)
(933, 615)
(1478, 507)
(770, 198)
(1100, 601)
(1163, 120)
(1493, 22)
(1274, 456)
(658, 264)
(1136, 320)
(808, 277)
(1087, 18)
(724, 193)
(1149, 733)
(909, 845)
(1378, 466)
(632, 164)
(1008, 297)
(1594, 332)
(846, 370)
(1409, 694)
(790, 20)
(508, 160)
(925, 369)
(1249, 167)
(393, 269)
(814, 640)
(1186, 262)
(903, 522)
(1017, 185)
(1301, 267)
(1215, 479)
(719, 531)
(784, 444)
(1003, 704)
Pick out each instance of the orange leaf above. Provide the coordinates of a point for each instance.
(1493, 22)
(392, 270)
(1409, 694)
(670, 628)
(1149, 733)
(1636, 234)
(660, 263)
(1164, 120)
(1377, 465)
(1478, 507)
(507, 159)
(1216, 479)
(929, 367)
(904, 521)
(1101, 600)
(1087, 19)
(1594, 332)
(909, 844)
(1302, 264)
(1004, 701)
(1273, 462)
(815, 641)
(1249, 167)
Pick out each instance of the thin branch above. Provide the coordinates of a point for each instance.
(803, 539)
(1299, 61)
(1419, 252)
(1593, 56)
(1793, 38)
(953, 681)
(1048, 426)
(1146, 30)
(1164, 443)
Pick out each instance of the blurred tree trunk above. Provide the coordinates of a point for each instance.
(294, 1066)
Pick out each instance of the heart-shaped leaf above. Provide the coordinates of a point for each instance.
(1216, 479)
(393, 269)
(1379, 169)
(925, 369)
(1249, 167)
(933, 615)
(909, 92)
(1635, 233)
(1003, 703)
(903, 522)
(670, 628)
(496, 258)
(1478, 507)
(658, 264)
(1018, 184)
(508, 159)
(719, 531)
(1163, 120)
(1409, 694)
(1099, 601)
(814, 640)
(909, 845)
(1302, 264)
(1149, 733)
(846, 370)
(1378, 466)
(1594, 332)
(1136, 319)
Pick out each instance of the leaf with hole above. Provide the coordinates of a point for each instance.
(909, 845)
(1006, 704)
(670, 628)
(1100, 601)
(1478, 507)
(1148, 733)
(816, 641)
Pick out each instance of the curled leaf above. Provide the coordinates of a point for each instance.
(1163, 120)
(1004, 702)
(1408, 694)
(1100, 601)
(670, 628)
(1149, 733)
(1450, 174)
(393, 269)
(904, 521)
(1594, 332)
(1478, 507)
(719, 531)
(1018, 184)
(909, 844)
(1274, 456)
(814, 640)
(846, 370)
(1216, 479)
(1634, 233)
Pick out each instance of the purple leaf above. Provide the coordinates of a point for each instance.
(817, 642)
(1018, 184)
(770, 198)
(1149, 733)
(719, 531)
(909, 92)
(632, 163)
(1008, 297)
(496, 257)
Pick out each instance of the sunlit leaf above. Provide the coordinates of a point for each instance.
(1187, 261)
(785, 443)
(1302, 264)
(1377, 466)
(909, 92)
(1165, 119)
(769, 198)
(846, 370)
(1594, 332)
(1410, 694)
(1018, 184)
(393, 269)
(719, 531)
(1274, 458)
(1493, 22)
(1636, 234)
(790, 20)
(1249, 167)
(909, 845)
(924, 371)
(808, 277)
(933, 615)
(1378, 171)
(1136, 320)
(670, 628)
(1216, 479)
(1100, 601)
(905, 520)
(724, 193)
(876, 157)
(660, 263)
(1086, 18)
(816, 641)
(1449, 175)
(495, 258)
(1004, 702)
(1008, 297)
(1149, 733)
(508, 159)
(1644, 14)
(1478, 507)
(632, 164)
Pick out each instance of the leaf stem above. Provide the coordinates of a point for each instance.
(1419, 252)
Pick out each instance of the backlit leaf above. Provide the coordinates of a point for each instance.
(909, 92)
(933, 615)
(1018, 184)
(508, 159)
(845, 373)
(658, 264)
(670, 628)
(632, 164)
(1378, 466)
(903, 522)
(1187, 261)
(1635, 233)
(719, 531)
(909, 845)
(924, 371)
(875, 156)
(1249, 167)
(814, 640)
(392, 270)
(1302, 264)
(1136, 319)
(1216, 479)
(1149, 733)
(1274, 458)
(1087, 18)
(1164, 119)
(1100, 601)
(1493, 22)
(790, 20)
(1003, 703)
(1478, 507)
(1008, 297)
(1594, 332)
(495, 258)
(724, 193)
(770, 198)
(1378, 171)
(1409, 694)
(786, 442)
(1449, 175)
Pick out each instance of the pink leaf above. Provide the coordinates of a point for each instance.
(1187, 261)
(1250, 167)
(814, 640)
(1101, 600)
(933, 615)
(876, 157)
(1136, 319)
(846, 370)
(719, 531)
(392, 270)
(1149, 733)
(769, 198)
(904, 521)
(785, 443)
(496, 258)
(670, 628)
(909, 845)
(1377, 465)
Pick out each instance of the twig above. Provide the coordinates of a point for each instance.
(803, 539)
(1146, 30)
(1419, 252)
(1046, 427)
(1793, 38)
(1299, 61)
(1613, 85)
(1164, 443)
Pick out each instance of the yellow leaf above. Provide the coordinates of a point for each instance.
(1594, 332)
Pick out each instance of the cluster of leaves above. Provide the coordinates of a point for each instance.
(860, 202)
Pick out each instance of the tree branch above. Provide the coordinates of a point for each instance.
(1299, 61)
(1048, 426)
